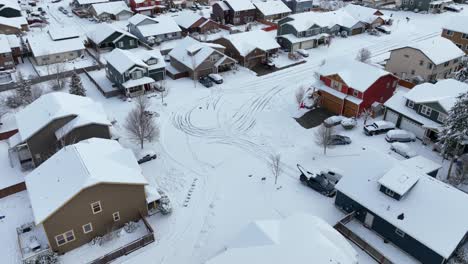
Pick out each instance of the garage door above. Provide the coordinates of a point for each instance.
(125, 16)
(331, 103)
(391, 116)
(411, 126)
(307, 44)
(146, 12)
(356, 31)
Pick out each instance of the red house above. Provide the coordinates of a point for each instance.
(147, 7)
(347, 87)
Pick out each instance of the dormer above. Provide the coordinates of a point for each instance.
(193, 49)
(151, 61)
(397, 182)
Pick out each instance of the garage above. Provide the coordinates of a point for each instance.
(124, 15)
(391, 116)
(350, 109)
(308, 44)
(412, 126)
(331, 103)
(356, 31)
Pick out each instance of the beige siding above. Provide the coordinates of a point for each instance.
(56, 58)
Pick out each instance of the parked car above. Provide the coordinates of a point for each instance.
(56, 1)
(317, 181)
(348, 123)
(403, 149)
(400, 135)
(205, 81)
(146, 156)
(339, 140)
(173, 10)
(332, 175)
(216, 78)
(303, 52)
(384, 29)
(378, 127)
(333, 121)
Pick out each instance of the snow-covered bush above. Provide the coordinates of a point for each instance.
(164, 203)
(44, 258)
(14, 101)
(130, 227)
(460, 257)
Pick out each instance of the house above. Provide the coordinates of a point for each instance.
(58, 33)
(249, 48)
(10, 8)
(457, 32)
(53, 121)
(398, 202)
(431, 6)
(13, 25)
(115, 10)
(85, 4)
(178, 4)
(194, 23)
(271, 9)
(9, 50)
(369, 16)
(299, 6)
(106, 36)
(300, 238)
(427, 60)
(135, 72)
(378, 3)
(195, 59)
(347, 87)
(46, 50)
(147, 7)
(423, 109)
(86, 190)
(311, 29)
(154, 30)
(235, 12)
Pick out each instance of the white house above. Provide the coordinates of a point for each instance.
(154, 30)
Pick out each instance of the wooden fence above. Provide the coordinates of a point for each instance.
(19, 187)
(369, 249)
(7, 134)
(406, 84)
(129, 248)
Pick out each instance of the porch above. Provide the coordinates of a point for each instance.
(137, 87)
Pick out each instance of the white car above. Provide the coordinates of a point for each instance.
(333, 121)
(403, 149)
(303, 52)
(218, 79)
(400, 135)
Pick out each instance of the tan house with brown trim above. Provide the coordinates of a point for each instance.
(86, 190)
(457, 32)
(428, 60)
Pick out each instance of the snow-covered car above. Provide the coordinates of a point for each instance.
(378, 127)
(333, 121)
(384, 29)
(400, 135)
(453, 8)
(218, 79)
(205, 81)
(332, 175)
(172, 10)
(146, 156)
(348, 123)
(403, 149)
(303, 52)
(339, 140)
(317, 181)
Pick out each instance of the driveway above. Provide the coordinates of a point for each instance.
(314, 117)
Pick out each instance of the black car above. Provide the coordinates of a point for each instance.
(317, 181)
(205, 81)
(339, 140)
(147, 157)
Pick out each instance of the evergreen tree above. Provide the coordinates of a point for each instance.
(76, 87)
(462, 74)
(23, 90)
(455, 128)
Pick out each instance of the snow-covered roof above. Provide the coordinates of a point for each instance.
(15, 22)
(272, 7)
(458, 23)
(357, 75)
(62, 32)
(246, 42)
(14, 41)
(299, 239)
(223, 5)
(122, 60)
(304, 21)
(102, 31)
(154, 26)
(439, 50)
(200, 52)
(186, 20)
(113, 8)
(56, 105)
(418, 211)
(145, 55)
(240, 5)
(422, 164)
(362, 13)
(400, 179)
(444, 92)
(137, 82)
(43, 45)
(4, 44)
(90, 2)
(293, 39)
(77, 167)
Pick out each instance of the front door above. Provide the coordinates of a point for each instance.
(369, 220)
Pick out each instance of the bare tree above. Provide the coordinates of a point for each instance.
(59, 80)
(366, 114)
(275, 165)
(363, 55)
(299, 95)
(322, 137)
(140, 123)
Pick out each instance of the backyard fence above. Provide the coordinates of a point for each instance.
(19, 187)
(7, 134)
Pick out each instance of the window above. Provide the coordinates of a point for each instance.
(465, 36)
(395, 82)
(355, 93)
(399, 232)
(426, 110)
(455, 61)
(214, 58)
(421, 62)
(388, 85)
(87, 228)
(389, 192)
(137, 75)
(336, 85)
(64, 238)
(151, 61)
(449, 33)
(429, 65)
(413, 72)
(96, 207)
(410, 104)
(441, 117)
(447, 63)
(57, 56)
(406, 56)
(411, 2)
(120, 44)
(132, 42)
(237, 13)
(116, 216)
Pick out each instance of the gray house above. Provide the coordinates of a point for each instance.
(53, 121)
(154, 30)
(136, 72)
(424, 108)
(105, 36)
(299, 6)
(432, 6)
(311, 29)
(406, 207)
